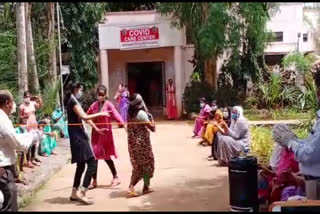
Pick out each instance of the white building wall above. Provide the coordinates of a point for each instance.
(289, 20)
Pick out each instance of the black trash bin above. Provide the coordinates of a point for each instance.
(243, 184)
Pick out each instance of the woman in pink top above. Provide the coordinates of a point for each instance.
(102, 139)
(27, 110)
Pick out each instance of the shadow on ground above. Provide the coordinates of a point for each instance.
(192, 195)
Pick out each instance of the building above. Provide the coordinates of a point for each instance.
(293, 29)
(143, 51)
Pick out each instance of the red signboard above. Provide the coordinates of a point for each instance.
(139, 37)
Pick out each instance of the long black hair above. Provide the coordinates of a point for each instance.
(70, 90)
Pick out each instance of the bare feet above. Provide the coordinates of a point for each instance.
(53, 153)
(147, 190)
(30, 165)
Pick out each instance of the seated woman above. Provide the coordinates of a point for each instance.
(212, 128)
(203, 116)
(214, 145)
(49, 139)
(283, 182)
(60, 123)
(235, 139)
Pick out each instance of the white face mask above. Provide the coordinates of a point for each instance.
(26, 100)
(214, 108)
(225, 114)
(14, 108)
(79, 95)
(201, 105)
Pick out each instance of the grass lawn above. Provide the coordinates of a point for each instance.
(285, 114)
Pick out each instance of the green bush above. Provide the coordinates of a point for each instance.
(225, 96)
(193, 92)
(262, 142)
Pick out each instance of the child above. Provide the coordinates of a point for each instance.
(48, 142)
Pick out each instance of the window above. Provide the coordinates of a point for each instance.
(305, 37)
(279, 36)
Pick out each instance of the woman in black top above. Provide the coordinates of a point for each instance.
(81, 151)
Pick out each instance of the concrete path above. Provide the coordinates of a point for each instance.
(184, 179)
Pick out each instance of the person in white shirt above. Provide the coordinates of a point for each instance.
(9, 143)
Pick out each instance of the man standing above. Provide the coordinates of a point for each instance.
(171, 100)
(9, 143)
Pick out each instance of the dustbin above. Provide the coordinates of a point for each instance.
(243, 184)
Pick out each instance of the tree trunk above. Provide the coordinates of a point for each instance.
(51, 37)
(21, 48)
(211, 72)
(34, 80)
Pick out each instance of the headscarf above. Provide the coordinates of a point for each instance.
(240, 112)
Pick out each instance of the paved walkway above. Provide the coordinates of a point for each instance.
(183, 180)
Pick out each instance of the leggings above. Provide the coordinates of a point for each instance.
(88, 175)
(111, 167)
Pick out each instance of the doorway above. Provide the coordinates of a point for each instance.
(146, 78)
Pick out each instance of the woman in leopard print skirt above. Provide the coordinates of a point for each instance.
(139, 144)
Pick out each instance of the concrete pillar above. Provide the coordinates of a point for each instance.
(178, 70)
(104, 69)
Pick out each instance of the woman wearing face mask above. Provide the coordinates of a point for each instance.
(227, 120)
(205, 110)
(60, 122)
(212, 128)
(81, 151)
(235, 139)
(27, 110)
(101, 137)
(49, 139)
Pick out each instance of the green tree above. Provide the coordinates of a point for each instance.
(81, 36)
(239, 28)
(206, 23)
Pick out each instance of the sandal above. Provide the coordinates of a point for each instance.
(115, 182)
(210, 158)
(85, 200)
(132, 193)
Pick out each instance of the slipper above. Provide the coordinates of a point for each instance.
(132, 194)
(73, 199)
(85, 200)
(115, 182)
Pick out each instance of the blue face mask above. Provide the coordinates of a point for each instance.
(234, 116)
